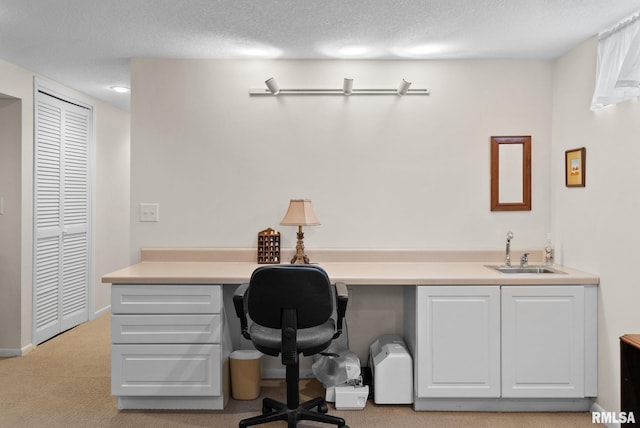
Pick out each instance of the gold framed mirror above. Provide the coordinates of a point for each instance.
(511, 173)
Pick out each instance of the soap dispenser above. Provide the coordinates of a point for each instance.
(548, 252)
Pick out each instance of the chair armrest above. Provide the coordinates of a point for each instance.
(341, 289)
(342, 297)
(240, 305)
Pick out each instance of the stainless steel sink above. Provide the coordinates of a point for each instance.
(528, 269)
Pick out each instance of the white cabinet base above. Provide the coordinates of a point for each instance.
(503, 404)
(545, 342)
(173, 403)
(170, 347)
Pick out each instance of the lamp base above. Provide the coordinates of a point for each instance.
(300, 258)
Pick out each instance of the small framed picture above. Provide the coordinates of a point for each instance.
(575, 167)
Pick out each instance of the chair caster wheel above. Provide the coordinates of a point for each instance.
(322, 408)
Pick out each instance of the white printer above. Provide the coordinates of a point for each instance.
(392, 370)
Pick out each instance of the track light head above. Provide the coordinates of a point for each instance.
(404, 87)
(347, 86)
(272, 85)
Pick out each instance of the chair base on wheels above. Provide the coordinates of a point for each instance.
(273, 410)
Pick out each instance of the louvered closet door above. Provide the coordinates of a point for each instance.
(61, 253)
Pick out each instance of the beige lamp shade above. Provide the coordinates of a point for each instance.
(300, 213)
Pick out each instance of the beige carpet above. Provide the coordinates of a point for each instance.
(65, 382)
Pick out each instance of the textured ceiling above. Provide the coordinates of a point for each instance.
(87, 44)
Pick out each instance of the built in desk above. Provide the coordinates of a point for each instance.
(434, 298)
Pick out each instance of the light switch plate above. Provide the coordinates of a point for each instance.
(149, 212)
(1, 205)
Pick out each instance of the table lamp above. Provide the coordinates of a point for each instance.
(300, 213)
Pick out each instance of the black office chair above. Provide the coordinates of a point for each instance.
(292, 308)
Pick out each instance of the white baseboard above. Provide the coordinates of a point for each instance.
(100, 312)
(502, 404)
(8, 352)
(26, 349)
(596, 408)
(16, 352)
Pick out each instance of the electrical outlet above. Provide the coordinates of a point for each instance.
(149, 212)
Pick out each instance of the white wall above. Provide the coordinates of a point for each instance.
(111, 216)
(18, 83)
(111, 197)
(382, 171)
(598, 225)
(10, 218)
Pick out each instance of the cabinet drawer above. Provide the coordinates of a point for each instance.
(166, 370)
(165, 299)
(205, 328)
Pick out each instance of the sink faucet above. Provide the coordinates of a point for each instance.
(524, 260)
(507, 257)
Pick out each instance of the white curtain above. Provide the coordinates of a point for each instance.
(618, 69)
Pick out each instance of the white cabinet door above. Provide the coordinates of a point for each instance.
(458, 341)
(543, 341)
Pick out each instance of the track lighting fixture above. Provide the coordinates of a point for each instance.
(347, 89)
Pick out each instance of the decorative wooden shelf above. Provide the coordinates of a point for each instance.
(269, 246)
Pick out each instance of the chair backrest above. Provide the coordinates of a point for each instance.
(305, 288)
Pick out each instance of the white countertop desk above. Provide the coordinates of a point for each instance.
(390, 293)
(181, 271)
